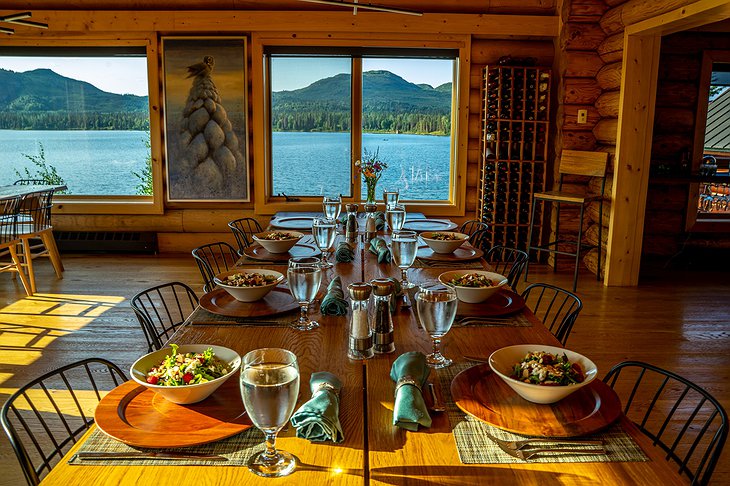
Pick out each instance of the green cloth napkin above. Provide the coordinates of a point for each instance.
(378, 247)
(319, 419)
(334, 303)
(380, 220)
(410, 410)
(344, 252)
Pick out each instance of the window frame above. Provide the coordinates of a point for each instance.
(115, 204)
(267, 203)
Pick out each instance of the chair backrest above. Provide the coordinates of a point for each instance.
(509, 262)
(30, 182)
(680, 417)
(35, 212)
(212, 259)
(161, 310)
(579, 162)
(472, 226)
(243, 229)
(479, 239)
(555, 307)
(45, 417)
(9, 208)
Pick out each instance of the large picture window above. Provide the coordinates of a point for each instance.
(401, 101)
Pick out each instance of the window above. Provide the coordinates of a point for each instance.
(77, 115)
(399, 100)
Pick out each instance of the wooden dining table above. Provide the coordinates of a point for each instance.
(374, 450)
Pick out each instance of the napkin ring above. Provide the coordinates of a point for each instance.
(406, 380)
(326, 386)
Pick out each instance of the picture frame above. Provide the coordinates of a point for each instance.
(205, 118)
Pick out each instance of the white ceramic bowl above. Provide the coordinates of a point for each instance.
(444, 246)
(278, 246)
(503, 360)
(473, 295)
(187, 394)
(249, 294)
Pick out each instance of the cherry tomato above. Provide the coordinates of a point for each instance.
(187, 378)
(152, 380)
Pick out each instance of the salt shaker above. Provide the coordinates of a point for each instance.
(351, 228)
(361, 335)
(382, 320)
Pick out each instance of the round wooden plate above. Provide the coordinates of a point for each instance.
(258, 252)
(482, 394)
(464, 253)
(293, 222)
(429, 225)
(140, 417)
(502, 303)
(222, 303)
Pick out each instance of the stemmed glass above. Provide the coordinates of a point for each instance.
(269, 387)
(396, 216)
(436, 306)
(332, 205)
(324, 231)
(304, 276)
(405, 247)
(390, 198)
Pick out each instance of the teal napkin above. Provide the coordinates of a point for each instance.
(318, 419)
(344, 252)
(378, 247)
(380, 220)
(410, 410)
(334, 303)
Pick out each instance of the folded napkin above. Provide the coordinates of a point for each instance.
(334, 303)
(410, 410)
(378, 247)
(380, 220)
(318, 419)
(344, 252)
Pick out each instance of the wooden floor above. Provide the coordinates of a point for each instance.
(676, 321)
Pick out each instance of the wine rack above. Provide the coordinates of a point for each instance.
(514, 151)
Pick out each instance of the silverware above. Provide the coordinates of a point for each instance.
(437, 405)
(476, 359)
(527, 455)
(139, 455)
(516, 445)
(483, 321)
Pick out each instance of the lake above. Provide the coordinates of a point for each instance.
(102, 162)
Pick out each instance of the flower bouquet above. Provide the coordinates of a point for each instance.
(371, 168)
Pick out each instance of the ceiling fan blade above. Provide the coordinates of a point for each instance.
(17, 16)
(364, 6)
(5, 30)
(28, 23)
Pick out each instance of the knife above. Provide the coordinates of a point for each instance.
(165, 456)
(476, 359)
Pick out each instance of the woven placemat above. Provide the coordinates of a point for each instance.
(237, 449)
(425, 263)
(201, 317)
(515, 320)
(474, 447)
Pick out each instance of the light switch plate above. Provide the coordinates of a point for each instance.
(582, 116)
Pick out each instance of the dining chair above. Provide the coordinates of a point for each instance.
(9, 241)
(472, 226)
(509, 262)
(679, 416)
(480, 239)
(557, 308)
(212, 259)
(45, 417)
(160, 310)
(243, 229)
(30, 182)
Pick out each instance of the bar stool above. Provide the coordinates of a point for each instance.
(574, 162)
(9, 208)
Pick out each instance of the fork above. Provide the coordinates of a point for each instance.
(516, 445)
(527, 455)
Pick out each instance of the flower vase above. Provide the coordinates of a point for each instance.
(370, 186)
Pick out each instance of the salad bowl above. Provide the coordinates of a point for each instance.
(443, 246)
(185, 394)
(278, 245)
(251, 293)
(473, 295)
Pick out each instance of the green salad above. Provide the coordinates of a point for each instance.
(187, 369)
(541, 368)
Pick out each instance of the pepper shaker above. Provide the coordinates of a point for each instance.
(382, 320)
(361, 335)
(351, 227)
(370, 226)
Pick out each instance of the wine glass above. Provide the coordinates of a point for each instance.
(390, 198)
(332, 205)
(324, 231)
(396, 216)
(436, 306)
(405, 247)
(304, 276)
(269, 388)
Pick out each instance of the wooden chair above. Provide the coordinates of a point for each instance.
(161, 310)
(45, 417)
(591, 164)
(509, 262)
(213, 259)
(9, 241)
(555, 307)
(30, 182)
(472, 226)
(679, 416)
(479, 239)
(243, 229)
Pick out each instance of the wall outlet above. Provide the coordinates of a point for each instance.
(582, 116)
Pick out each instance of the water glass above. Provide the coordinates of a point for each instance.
(396, 217)
(331, 206)
(269, 388)
(324, 231)
(304, 276)
(405, 246)
(390, 198)
(436, 305)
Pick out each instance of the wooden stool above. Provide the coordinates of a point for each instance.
(9, 240)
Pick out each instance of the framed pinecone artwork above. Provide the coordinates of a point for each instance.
(205, 118)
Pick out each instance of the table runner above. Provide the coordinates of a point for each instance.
(474, 447)
(237, 449)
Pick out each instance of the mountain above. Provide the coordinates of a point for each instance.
(43, 90)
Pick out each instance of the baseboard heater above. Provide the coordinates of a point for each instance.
(106, 241)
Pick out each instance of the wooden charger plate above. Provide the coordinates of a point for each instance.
(482, 394)
(464, 253)
(293, 222)
(502, 303)
(258, 252)
(140, 417)
(222, 303)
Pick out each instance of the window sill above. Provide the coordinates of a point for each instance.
(72, 204)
